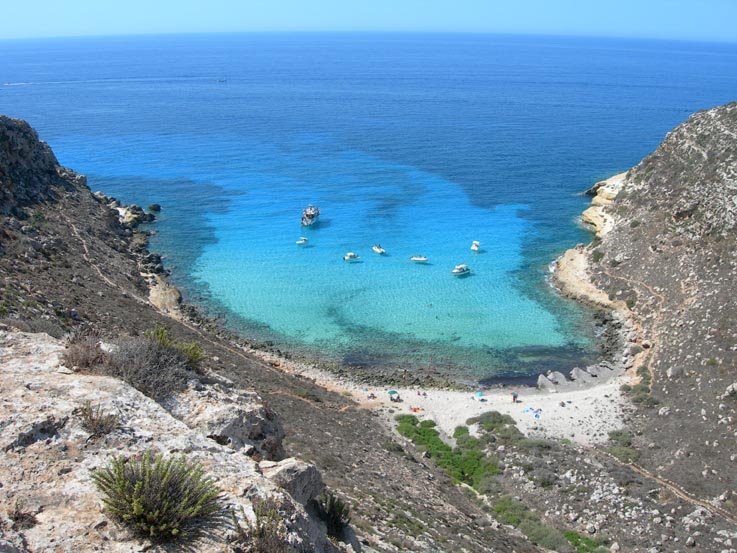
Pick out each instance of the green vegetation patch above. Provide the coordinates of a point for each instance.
(621, 446)
(584, 544)
(510, 511)
(160, 498)
(465, 463)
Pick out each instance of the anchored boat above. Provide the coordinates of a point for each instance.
(310, 215)
(461, 270)
(378, 249)
(418, 259)
(351, 257)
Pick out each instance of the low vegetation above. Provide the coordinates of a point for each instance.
(335, 512)
(83, 350)
(466, 463)
(191, 351)
(20, 518)
(95, 420)
(267, 534)
(620, 446)
(152, 368)
(160, 498)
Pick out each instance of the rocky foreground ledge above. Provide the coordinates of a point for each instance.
(49, 456)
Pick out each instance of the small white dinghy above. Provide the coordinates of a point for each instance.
(418, 259)
(461, 270)
(475, 246)
(351, 257)
(378, 249)
(302, 241)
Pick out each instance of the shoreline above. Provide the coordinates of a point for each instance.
(582, 408)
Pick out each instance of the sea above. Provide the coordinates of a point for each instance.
(422, 143)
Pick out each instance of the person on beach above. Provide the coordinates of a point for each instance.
(515, 395)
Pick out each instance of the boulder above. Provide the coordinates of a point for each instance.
(300, 480)
(543, 383)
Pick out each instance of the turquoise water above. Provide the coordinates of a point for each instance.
(421, 143)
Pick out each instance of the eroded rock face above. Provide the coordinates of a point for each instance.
(49, 456)
(29, 171)
(301, 480)
(235, 419)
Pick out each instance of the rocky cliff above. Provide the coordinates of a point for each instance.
(29, 171)
(670, 254)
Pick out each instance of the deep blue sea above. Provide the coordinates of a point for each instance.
(419, 142)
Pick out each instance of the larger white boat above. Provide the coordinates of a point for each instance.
(351, 257)
(418, 259)
(310, 215)
(378, 249)
(461, 270)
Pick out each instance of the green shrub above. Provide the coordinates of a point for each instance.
(193, 353)
(161, 335)
(335, 512)
(509, 511)
(544, 536)
(429, 423)
(584, 544)
(159, 498)
(309, 395)
(465, 463)
(597, 256)
(266, 535)
(624, 454)
(95, 420)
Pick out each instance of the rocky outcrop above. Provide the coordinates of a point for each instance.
(29, 171)
(670, 255)
(604, 193)
(49, 457)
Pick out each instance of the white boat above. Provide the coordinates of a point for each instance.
(378, 249)
(351, 257)
(475, 246)
(418, 259)
(461, 270)
(310, 215)
(302, 241)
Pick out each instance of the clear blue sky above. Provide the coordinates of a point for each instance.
(710, 20)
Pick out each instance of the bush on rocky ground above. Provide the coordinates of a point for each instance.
(192, 352)
(335, 512)
(83, 350)
(266, 535)
(95, 420)
(160, 498)
(151, 367)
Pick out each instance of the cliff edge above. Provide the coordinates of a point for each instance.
(669, 253)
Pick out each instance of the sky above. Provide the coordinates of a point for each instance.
(702, 20)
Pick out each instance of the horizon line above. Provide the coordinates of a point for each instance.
(370, 32)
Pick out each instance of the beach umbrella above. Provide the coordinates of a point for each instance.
(393, 393)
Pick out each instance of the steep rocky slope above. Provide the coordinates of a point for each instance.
(671, 255)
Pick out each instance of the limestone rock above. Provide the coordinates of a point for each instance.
(50, 456)
(301, 480)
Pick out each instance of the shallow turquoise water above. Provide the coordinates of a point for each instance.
(422, 143)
